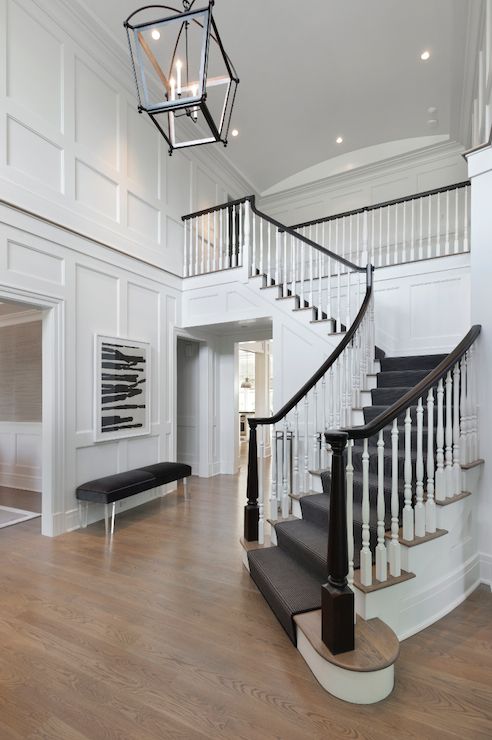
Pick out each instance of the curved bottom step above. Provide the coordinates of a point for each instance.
(363, 676)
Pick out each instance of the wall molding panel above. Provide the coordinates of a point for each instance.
(20, 455)
(73, 147)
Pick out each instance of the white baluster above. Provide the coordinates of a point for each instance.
(448, 470)
(185, 249)
(208, 242)
(394, 549)
(315, 426)
(221, 239)
(311, 266)
(329, 311)
(456, 220)
(240, 237)
(350, 513)
(261, 512)
(197, 251)
(421, 243)
(430, 504)
(276, 276)
(234, 237)
(465, 219)
(365, 553)
(262, 265)
(404, 250)
(429, 227)
(245, 231)
(303, 269)
(446, 243)
(473, 416)
(285, 476)
(296, 486)
(269, 254)
(440, 480)
(306, 443)
(419, 474)
(253, 256)
(293, 248)
(273, 491)
(320, 283)
(395, 250)
(202, 260)
(339, 286)
(323, 421)
(438, 226)
(285, 270)
(463, 415)
(408, 518)
(456, 431)
(381, 556)
(412, 232)
(388, 224)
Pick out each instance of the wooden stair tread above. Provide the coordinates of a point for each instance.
(458, 497)
(255, 545)
(376, 645)
(474, 464)
(418, 540)
(280, 520)
(379, 585)
(299, 496)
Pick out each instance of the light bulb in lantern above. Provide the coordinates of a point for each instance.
(179, 67)
(156, 35)
(172, 82)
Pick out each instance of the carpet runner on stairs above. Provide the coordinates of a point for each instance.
(290, 574)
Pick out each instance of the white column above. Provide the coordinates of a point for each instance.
(350, 513)
(448, 470)
(408, 517)
(430, 504)
(456, 431)
(365, 553)
(440, 481)
(394, 546)
(419, 475)
(381, 558)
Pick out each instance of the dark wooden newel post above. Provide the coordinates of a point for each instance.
(251, 510)
(337, 598)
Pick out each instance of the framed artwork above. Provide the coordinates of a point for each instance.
(121, 388)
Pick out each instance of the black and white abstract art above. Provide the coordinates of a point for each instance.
(122, 388)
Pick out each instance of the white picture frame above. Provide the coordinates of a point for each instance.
(122, 376)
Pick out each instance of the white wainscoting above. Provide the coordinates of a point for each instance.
(423, 307)
(73, 146)
(20, 455)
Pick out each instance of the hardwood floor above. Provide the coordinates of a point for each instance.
(164, 635)
(14, 497)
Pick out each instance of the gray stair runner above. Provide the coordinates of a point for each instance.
(290, 574)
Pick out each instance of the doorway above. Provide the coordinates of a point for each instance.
(188, 402)
(255, 381)
(21, 402)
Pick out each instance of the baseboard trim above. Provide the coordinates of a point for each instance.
(22, 481)
(468, 573)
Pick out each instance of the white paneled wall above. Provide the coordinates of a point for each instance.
(401, 176)
(74, 148)
(20, 455)
(90, 290)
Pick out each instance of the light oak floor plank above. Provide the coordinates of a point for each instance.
(162, 634)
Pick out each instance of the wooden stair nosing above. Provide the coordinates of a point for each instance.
(453, 499)
(376, 645)
(474, 464)
(255, 545)
(379, 585)
(417, 540)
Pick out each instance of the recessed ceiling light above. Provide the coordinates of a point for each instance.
(156, 35)
(235, 132)
(425, 55)
(432, 122)
(431, 110)
(339, 140)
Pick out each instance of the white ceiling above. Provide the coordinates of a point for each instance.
(312, 71)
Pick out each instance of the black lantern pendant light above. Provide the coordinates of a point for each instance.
(185, 80)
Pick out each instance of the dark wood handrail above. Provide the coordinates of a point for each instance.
(385, 204)
(254, 422)
(409, 399)
(281, 227)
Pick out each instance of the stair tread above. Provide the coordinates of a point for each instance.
(288, 587)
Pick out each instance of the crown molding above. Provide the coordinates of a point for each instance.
(463, 107)
(21, 317)
(391, 165)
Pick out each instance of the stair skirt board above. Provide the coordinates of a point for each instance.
(356, 688)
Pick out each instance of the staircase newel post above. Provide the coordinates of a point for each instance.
(252, 510)
(337, 598)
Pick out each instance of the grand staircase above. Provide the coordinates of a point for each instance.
(365, 532)
(289, 575)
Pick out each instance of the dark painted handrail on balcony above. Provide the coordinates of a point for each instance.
(384, 204)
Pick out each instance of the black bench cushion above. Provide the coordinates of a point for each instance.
(118, 486)
(167, 472)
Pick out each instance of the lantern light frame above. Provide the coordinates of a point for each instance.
(175, 107)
